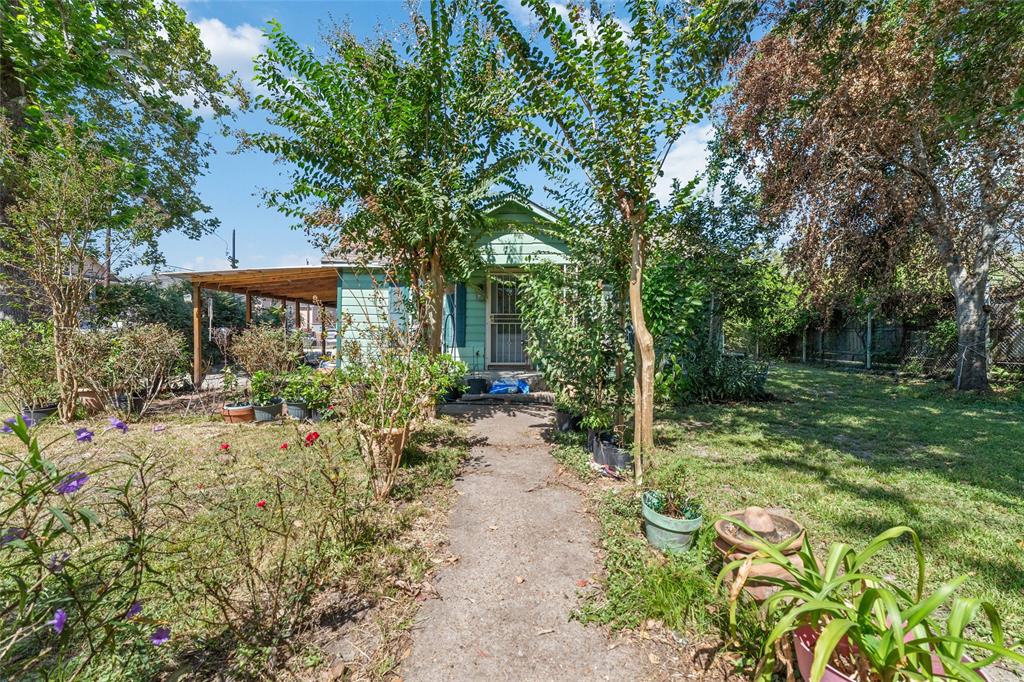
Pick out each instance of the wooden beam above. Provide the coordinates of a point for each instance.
(298, 314)
(197, 334)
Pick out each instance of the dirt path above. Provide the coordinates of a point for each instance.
(522, 543)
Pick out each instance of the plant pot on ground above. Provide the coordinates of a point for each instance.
(238, 413)
(608, 451)
(476, 385)
(266, 403)
(671, 520)
(298, 390)
(38, 413)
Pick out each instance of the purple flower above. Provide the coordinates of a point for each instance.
(59, 618)
(13, 534)
(72, 483)
(133, 610)
(160, 636)
(157, 428)
(116, 423)
(29, 421)
(57, 562)
(84, 435)
(8, 423)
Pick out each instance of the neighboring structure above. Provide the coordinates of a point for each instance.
(482, 319)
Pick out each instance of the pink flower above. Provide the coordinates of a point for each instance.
(261, 504)
(225, 446)
(312, 437)
(284, 446)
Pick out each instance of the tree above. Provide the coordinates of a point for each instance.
(122, 69)
(55, 230)
(395, 157)
(609, 97)
(888, 133)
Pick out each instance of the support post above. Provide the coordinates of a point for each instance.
(248, 309)
(867, 344)
(284, 314)
(298, 315)
(197, 334)
(803, 348)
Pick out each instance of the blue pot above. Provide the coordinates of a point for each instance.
(664, 532)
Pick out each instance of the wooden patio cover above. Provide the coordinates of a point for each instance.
(300, 284)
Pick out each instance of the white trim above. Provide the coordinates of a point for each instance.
(487, 319)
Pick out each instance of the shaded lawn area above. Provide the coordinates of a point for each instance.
(853, 454)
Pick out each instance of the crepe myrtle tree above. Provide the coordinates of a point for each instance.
(888, 133)
(71, 202)
(608, 97)
(398, 149)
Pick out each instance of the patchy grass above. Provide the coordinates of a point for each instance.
(360, 612)
(569, 450)
(851, 454)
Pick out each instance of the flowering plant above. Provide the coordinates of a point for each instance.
(63, 535)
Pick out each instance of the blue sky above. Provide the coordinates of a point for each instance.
(233, 32)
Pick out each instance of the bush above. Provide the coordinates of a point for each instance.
(575, 337)
(268, 349)
(132, 366)
(28, 377)
(705, 375)
(263, 388)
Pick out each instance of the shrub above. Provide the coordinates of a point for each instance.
(381, 393)
(267, 348)
(702, 374)
(576, 338)
(263, 388)
(75, 554)
(130, 367)
(27, 374)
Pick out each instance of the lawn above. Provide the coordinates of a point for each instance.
(851, 454)
(268, 553)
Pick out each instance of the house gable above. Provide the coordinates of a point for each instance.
(524, 233)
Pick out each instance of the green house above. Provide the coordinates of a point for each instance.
(482, 324)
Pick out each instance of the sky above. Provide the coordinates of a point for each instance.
(233, 32)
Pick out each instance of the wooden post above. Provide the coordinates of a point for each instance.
(867, 344)
(248, 309)
(298, 315)
(803, 347)
(197, 334)
(284, 314)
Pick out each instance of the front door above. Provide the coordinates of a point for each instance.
(506, 341)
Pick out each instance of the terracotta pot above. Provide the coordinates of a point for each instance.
(238, 414)
(90, 401)
(806, 637)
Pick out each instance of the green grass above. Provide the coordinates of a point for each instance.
(851, 454)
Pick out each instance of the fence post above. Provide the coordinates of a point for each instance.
(867, 345)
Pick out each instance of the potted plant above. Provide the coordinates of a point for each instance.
(318, 395)
(608, 451)
(567, 417)
(296, 393)
(671, 520)
(236, 409)
(28, 378)
(847, 623)
(266, 404)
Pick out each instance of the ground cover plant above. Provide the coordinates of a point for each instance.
(194, 547)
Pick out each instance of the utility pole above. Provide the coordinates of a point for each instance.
(867, 344)
(234, 261)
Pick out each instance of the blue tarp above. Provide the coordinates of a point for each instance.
(504, 386)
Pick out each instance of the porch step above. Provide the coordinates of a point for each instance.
(538, 398)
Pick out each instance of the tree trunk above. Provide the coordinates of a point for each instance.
(67, 379)
(643, 380)
(435, 331)
(971, 370)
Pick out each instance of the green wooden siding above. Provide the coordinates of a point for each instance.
(363, 300)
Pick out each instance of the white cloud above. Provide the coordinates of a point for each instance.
(526, 17)
(203, 263)
(687, 159)
(295, 259)
(232, 48)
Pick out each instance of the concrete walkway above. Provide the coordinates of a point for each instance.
(523, 544)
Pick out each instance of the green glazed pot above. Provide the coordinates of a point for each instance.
(666, 533)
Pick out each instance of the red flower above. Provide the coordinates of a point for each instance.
(225, 446)
(261, 504)
(312, 437)
(284, 446)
